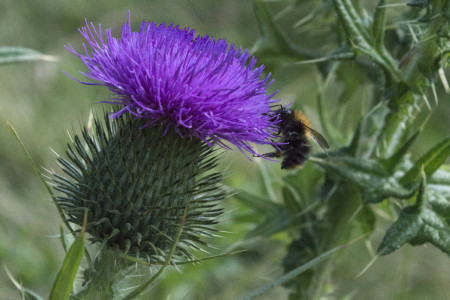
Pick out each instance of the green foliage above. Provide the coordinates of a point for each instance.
(290, 275)
(430, 162)
(373, 164)
(418, 224)
(64, 281)
(9, 55)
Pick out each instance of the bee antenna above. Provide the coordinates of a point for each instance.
(277, 105)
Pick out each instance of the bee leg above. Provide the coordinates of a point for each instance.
(277, 105)
(273, 154)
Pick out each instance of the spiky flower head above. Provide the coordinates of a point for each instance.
(140, 187)
(168, 75)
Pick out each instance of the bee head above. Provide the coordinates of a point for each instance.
(284, 113)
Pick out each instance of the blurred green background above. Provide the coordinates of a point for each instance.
(43, 105)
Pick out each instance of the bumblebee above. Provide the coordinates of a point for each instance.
(294, 131)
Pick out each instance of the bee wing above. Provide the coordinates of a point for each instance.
(317, 138)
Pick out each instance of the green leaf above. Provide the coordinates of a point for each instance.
(365, 141)
(366, 220)
(353, 23)
(441, 176)
(418, 224)
(431, 161)
(270, 225)
(291, 203)
(261, 205)
(66, 275)
(397, 124)
(438, 188)
(272, 41)
(352, 148)
(291, 275)
(375, 182)
(17, 54)
(299, 252)
(393, 161)
(378, 24)
(358, 36)
(439, 202)
(421, 69)
(274, 215)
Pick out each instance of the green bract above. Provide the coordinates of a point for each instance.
(136, 184)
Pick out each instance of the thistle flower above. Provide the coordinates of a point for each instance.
(169, 76)
(136, 187)
(145, 175)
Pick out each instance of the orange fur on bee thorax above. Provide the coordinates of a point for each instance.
(299, 116)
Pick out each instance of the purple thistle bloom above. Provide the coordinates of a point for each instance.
(169, 76)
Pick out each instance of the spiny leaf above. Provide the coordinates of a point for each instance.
(420, 71)
(439, 202)
(431, 161)
(372, 124)
(417, 225)
(374, 182)
(397, 124)
(358, 35)
(393, 161)
(438, 188)
(272, 41)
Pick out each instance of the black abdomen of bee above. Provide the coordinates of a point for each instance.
(295, 153)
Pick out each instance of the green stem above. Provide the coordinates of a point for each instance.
(144, 263)
(107, 270)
